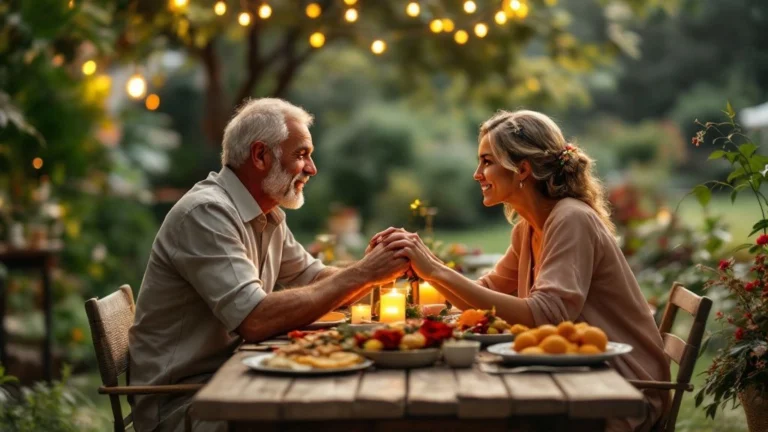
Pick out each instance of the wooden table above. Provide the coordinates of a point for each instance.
(435, 398)
(41, 259)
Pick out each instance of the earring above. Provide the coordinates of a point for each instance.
(521, 184)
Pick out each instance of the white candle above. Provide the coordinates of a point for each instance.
(361, 313)
(392, 307)
(429, 294)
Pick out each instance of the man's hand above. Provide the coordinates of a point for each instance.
(380, 265)
(379, 237)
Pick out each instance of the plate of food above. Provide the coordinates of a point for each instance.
(485, 327)
(413, 344)
(311, 353)
(331, 319)
(567, 344)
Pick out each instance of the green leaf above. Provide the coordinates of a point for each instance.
(731, 156)
(717, 154)
(747, 149)
(754, 249)
(729, 110)
(758, 226)
(737, 173)
(703, 194)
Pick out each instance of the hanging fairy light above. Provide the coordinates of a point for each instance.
(350, 2)
(378, 46)
(522, 11)
(178, 5)
(136, 86)
(317, 39)
(244, 19)
(436, 26)
(265, 11)
(500, 18)
(481, 30)
(313, 10)
(413, 9)
(470, 6)
(351, 15)
(461, 37)
(89, 67)
(71, 4)
(37, 163)
(152, 102)
(220, 8)
(510, 7)
(448, 25)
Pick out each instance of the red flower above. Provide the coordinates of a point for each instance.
(435, 331)
(724, 265)
(389, 338)
(719, 315)
(739, 333)
(750, 286)
(748, 315)
(762, 240)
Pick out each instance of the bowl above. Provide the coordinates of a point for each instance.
(460, 353)
(403, 359)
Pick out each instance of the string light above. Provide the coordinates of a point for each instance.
(500, 18)
(220, 8)
(522, 11)
(178, 5)
(136, 86)
(350, 15)
(37, 163)
(461, 37)
(470, 6)
(481, 30)
(350, 2)
(436, 26)
(510, 7)
(313, 10)
(378, 46)
(448, 25)
(317, 39)
(89, 67)
(152, 102)
(265, 11)
(244, 19)
(413, 9)
(71, 4)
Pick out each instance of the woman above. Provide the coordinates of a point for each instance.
(564, 262)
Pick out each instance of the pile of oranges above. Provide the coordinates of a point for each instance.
(566, 338)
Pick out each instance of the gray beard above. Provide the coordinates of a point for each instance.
(280, 186)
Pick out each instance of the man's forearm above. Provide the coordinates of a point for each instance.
(286, 310)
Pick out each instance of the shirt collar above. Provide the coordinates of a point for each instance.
(246, 205)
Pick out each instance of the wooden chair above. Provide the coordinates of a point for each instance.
(109, 319)
(684, 353)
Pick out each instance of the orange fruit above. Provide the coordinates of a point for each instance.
(518, 328)
(470, 317)
(595, 336)
(534, 350)
(525, 340)
(554, 344)
(581, 325)
(565, 329)
(589, 349)
(576, 336)
(572, 348)
(545, 330)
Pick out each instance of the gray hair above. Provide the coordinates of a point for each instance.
(259, 120)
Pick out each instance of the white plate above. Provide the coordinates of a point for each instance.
(257, 363)
(487, 339)
(331, 319)
(403, 359)
(509, 355)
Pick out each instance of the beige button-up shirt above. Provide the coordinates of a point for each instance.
(215, 257)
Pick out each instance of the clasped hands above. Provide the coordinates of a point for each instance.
(422, 262)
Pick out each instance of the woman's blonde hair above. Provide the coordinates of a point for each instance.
(561, 170)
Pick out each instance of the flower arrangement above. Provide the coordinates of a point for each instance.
(739, 368)
(415, 334)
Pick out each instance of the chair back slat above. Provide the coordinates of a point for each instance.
(110, 319)
(674, 347)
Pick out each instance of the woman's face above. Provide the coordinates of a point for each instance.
(497, 183)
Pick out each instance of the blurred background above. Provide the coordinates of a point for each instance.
(110, 110)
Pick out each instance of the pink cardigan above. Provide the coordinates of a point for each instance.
(583, 276)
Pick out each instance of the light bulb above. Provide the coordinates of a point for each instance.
(350, 2)
(265, 11)
(500, 18)
(436, 26)
(522, 11)
(37, 163)
(481, 30)
(448, 25)
(178, 5)
(136, 86)
(152, 102)
(313, 10)
(413, 9)
(378, 46)
(351, 15)
(317, 39)
(244, 19)
(470, 6)
(220, 8)
(89, 67)
(461, 37)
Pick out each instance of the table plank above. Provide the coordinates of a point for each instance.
(432, 392)
(535, 394)
(381, 395)
(321, 398)
(600, 394)
(235, 394)
(481, 395)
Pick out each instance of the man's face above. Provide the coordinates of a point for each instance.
(291, 171)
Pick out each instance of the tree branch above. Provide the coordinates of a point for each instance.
(216, 108)
(254, 64)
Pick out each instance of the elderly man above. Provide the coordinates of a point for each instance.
(219, 254)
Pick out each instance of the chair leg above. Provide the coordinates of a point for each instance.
(117, 413)
(188, 419)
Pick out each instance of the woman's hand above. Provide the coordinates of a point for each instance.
(379, 237)
(410, 246)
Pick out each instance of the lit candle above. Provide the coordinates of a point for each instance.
(361, 313)
(392, 307)
(429, 294)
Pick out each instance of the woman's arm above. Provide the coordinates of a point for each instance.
(453, 298)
